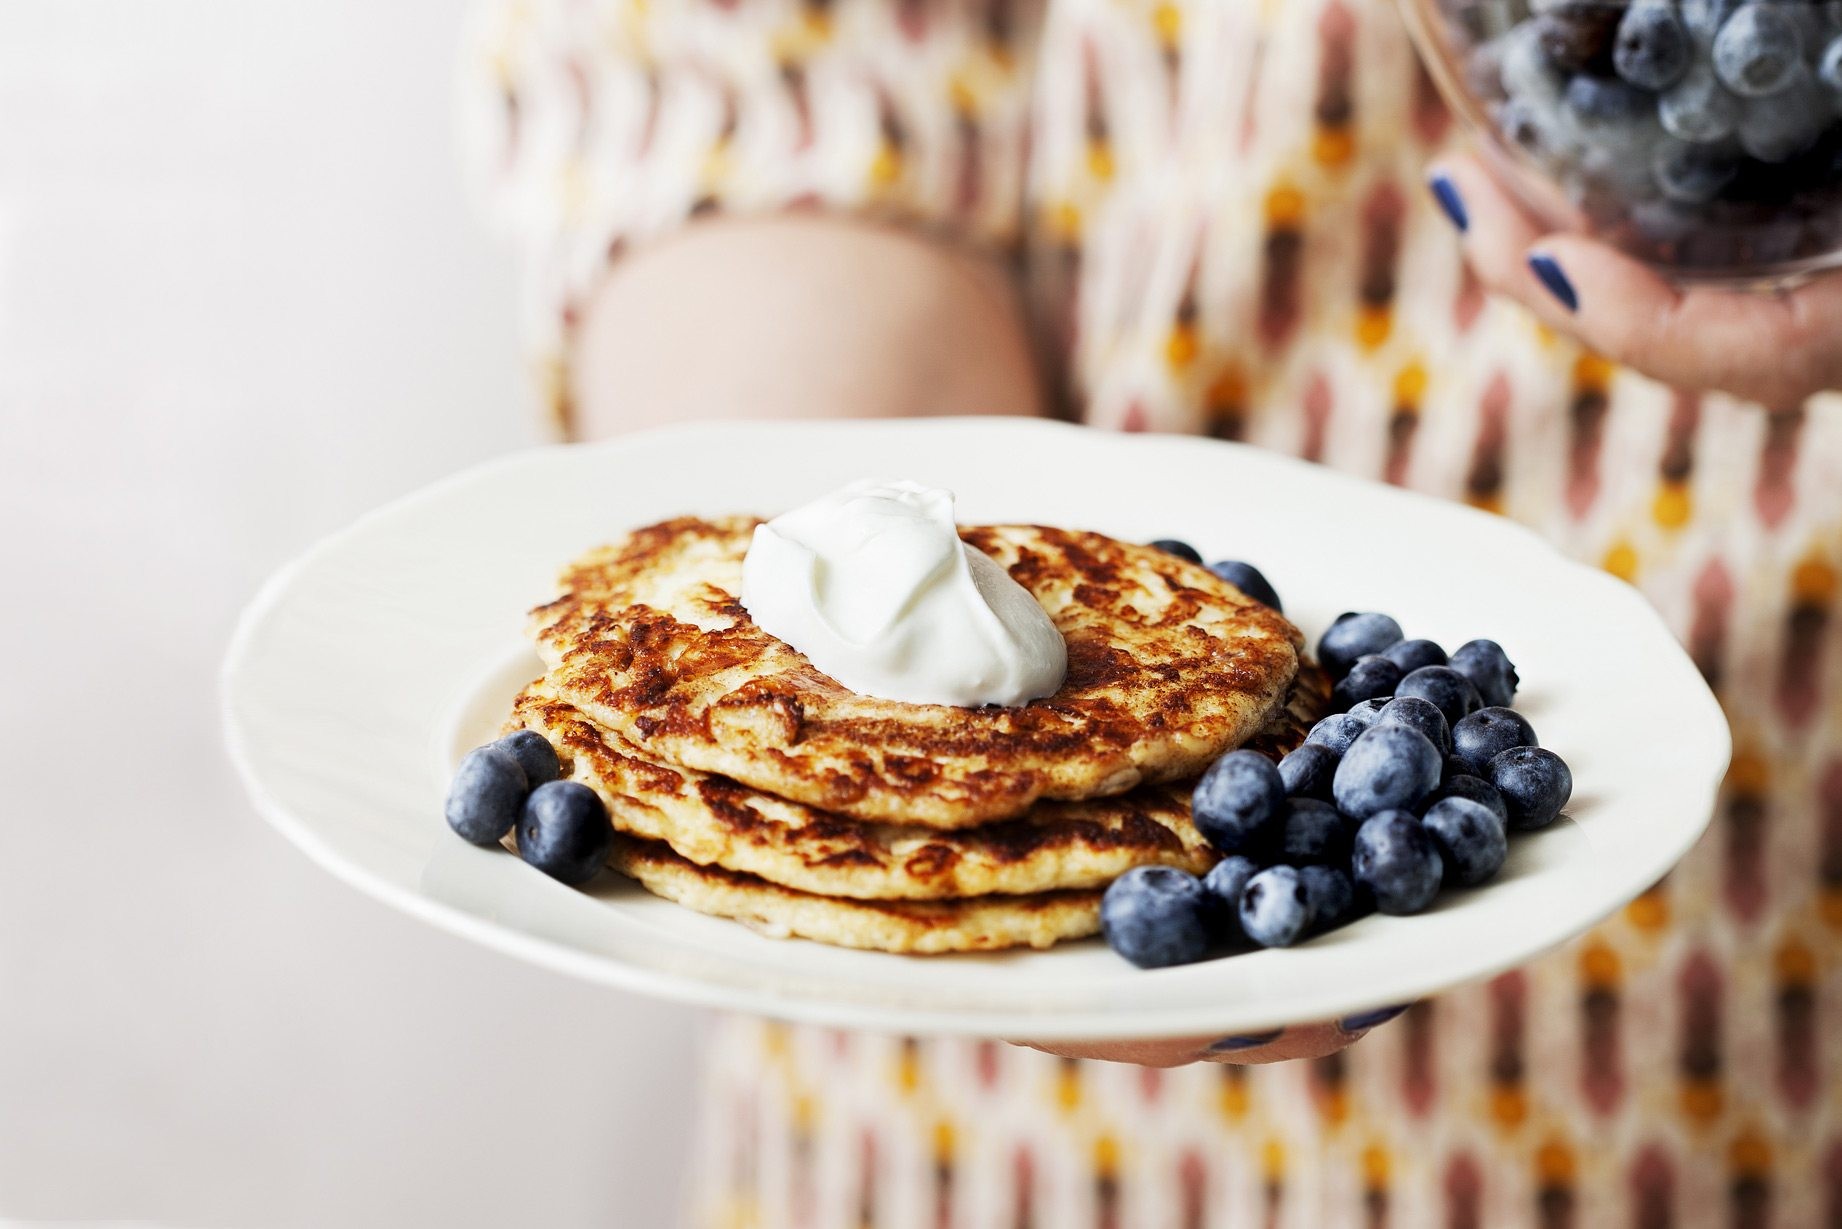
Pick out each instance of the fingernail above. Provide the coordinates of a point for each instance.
(1446, 193)
(1364, 1020)
(1549, 273)
(1244, 1041)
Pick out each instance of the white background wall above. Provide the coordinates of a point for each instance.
(242, 299)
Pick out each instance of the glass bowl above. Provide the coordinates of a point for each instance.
(1703, 137)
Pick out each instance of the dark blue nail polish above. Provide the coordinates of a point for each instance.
(1446, 193)
(1244, 1041)
(1369, 1019)
(1551, 276)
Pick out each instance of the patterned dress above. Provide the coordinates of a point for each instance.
(1217, 210)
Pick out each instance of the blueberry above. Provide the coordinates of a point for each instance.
(1332, 896)
(1396, 860)
(1247, 578)
(1307, 771)
(1422, 715)
(1472, 789)
(1779, 128)
(1369, 678)
(1527, 67)
(1369, 711)
(1579, 35)
(1693, 174)
(1758, 51)
(534, 754)
(1704, 18)
(1653, 48)
(1488, 667)
(1224, 884)
(488, 789)
(1179, 548)
(1451, 692)
(1535, 784)
(1355, 635)
(1539, 128)
(1608, 109)
(1156, 916)
(1237, 804)
(1829, 65)
(1699, 108)
(1337, 732)
(1275, 911)
(1471, 840)
(1479, 738)
(564, 831)
(1410, 655)
(1314, 834)
(1389, 766)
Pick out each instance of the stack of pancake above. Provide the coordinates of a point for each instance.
(745, 783)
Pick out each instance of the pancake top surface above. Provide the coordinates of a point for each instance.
(1167, 668)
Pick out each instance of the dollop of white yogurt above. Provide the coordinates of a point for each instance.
(874, 586)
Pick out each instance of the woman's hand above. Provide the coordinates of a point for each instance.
(1775, 349)
(1274, 1046)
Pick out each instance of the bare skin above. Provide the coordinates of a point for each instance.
(1253, 1049)
(800, 317)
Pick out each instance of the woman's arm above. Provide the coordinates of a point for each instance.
(800, 317)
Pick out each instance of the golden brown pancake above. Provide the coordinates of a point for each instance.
(916, 927)
(713, 821)
(1168, 667)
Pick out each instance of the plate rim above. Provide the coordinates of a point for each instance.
(610, 971)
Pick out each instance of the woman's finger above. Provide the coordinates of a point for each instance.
(1161, 1052)
(1496, 231)
(1777, 349)
(1265, 1046)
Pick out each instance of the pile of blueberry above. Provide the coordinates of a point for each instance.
(563, 828)
(1697, 133)
(1415, 780)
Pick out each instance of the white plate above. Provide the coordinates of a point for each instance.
(365, 668)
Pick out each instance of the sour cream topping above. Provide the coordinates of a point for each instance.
(874, 586)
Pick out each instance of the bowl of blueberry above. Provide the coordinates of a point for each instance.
(1703, 137)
